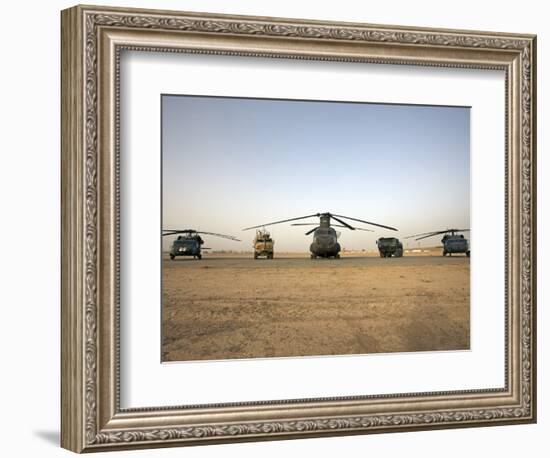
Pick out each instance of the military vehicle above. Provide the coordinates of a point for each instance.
(453, 242)
(325, 238)
(263, 244)
(389, 246)
(189, 242)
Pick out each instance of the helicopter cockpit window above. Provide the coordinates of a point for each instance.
(184, 242)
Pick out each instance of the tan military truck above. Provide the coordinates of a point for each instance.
(263, 244)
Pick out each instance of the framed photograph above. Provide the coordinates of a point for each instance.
(277, 228)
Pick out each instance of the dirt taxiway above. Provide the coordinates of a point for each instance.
(232, 306)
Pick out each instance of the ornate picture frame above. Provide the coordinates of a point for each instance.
(92, 40)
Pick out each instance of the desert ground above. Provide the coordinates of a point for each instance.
(230, 306)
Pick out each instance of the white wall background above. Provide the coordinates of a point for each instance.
(29, 195)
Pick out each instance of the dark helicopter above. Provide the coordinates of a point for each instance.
(452, 241)
(325, 238)
(189, 242)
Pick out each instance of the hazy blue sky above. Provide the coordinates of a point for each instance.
(230, 163)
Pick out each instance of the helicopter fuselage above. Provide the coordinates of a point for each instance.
(454, 243)
(325, 243)
(186, 246)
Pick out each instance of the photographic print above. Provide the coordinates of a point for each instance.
(306, 235)
(308, 228)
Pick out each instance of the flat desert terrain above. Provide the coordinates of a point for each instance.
(230, 306)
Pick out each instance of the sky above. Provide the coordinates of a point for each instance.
(231, 163)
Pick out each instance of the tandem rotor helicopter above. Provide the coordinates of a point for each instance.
(189, 242)
(325, 238)
(453, 242)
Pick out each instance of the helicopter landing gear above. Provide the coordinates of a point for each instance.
(172, 257)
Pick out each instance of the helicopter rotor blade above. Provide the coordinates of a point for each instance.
(365, 222)
(282, 221)
(223, 236)
(427, 234)
(415, 235)
(177, 231)
(332, 225)
(343, 222)
(312, 230)
(193, 231)
(456, 230)
(336, 217)
(431, 234)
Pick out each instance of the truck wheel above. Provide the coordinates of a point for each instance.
(172, 257)
(337, 256)
(444, 253)
(255, 255)
(270, 256)
(199, 256)
(313, 256)
(468, 253)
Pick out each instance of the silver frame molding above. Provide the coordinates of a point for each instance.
(92, 40)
